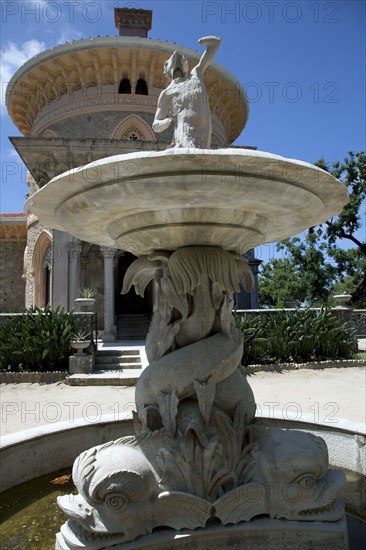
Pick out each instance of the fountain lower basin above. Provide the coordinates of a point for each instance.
(232, 198)
(33, 449)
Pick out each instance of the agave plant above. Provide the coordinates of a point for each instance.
(87, 292)
(80, 335)
(38, 340)
(303, 335)
(255, 340)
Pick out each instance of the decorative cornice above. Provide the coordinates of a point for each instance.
(13, 232)
(13, 227)
(46, 158)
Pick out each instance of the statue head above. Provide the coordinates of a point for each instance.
(176, 66)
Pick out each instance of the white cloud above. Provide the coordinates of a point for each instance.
(12, 56)
(69, 34)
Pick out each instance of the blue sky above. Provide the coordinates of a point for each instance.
(302, 64)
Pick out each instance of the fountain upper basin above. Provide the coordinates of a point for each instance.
(233, 198)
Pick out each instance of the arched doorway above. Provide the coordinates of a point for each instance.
(130, 303)
(41, 269)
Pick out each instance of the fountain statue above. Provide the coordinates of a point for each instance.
(185, 100)
(189, 213)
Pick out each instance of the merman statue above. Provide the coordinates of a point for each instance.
(185, 101)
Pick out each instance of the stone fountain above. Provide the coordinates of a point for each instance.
(197, 461)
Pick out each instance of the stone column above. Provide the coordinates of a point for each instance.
(254, 294)
(249, 300)
(109, 334)
(74, 250)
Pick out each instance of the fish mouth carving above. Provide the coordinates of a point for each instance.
(330, 512)
(328, 507)
(77, 537)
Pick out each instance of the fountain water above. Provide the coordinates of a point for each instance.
(189, 213)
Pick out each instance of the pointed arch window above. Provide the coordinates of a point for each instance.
(133, 128)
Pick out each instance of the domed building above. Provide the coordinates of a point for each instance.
(83, 101)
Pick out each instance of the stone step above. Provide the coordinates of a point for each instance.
(117, 366)
(132, 319)
(115, 358)
(133, 326)
(129, 320)
(133, 335)
(104, 378)
(118, 351)
(118, 359)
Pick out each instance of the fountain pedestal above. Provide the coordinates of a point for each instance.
(197, 456)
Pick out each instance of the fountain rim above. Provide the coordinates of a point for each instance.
(158, 199)
(181, 152)
(31, 455)
(30, 434)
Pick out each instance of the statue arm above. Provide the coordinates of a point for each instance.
(162, 119)
(212, 43)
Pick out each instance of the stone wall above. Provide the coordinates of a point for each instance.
(101, 125)
(11, 269)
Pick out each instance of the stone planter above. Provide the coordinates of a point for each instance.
(342, 299)
(79, 346)
(85, 304)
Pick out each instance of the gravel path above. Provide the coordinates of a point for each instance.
(323, 396)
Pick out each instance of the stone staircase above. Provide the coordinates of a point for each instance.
(119, 363)
(117, 359)
(115, 365)
(133, 326)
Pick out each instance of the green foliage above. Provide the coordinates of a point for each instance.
(87, 292)
(296, 336)
(280, 284)
(38, 340)
(80, 335)
(329, 255)
(255, 340)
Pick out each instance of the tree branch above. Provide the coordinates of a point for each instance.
(360, 291)
(343, 235)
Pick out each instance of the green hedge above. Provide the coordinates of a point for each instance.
(295, 336)
(38, 340)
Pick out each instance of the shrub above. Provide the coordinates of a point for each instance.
(296, 336)
(255, 342)
(38, 340)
